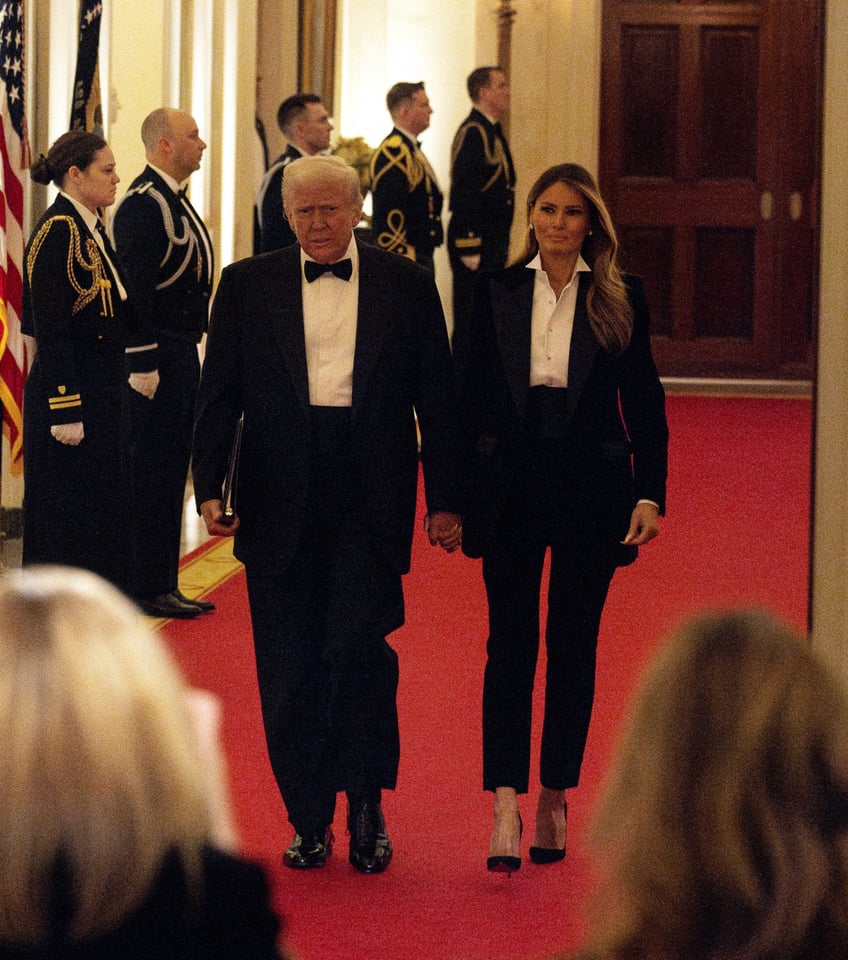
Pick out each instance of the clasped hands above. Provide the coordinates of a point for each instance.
(445, 529)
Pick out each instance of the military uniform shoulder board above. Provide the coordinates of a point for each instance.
(141, 188)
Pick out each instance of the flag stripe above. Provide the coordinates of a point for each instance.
(15, 150)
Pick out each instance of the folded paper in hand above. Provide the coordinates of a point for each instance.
(228, 496)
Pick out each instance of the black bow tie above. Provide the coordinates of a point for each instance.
(342, 269)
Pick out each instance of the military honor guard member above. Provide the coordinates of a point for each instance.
(482, 193)
(167, 253)
(83, 334)
(407, 212)
(305, 123)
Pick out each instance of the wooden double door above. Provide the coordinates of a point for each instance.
(709, 162)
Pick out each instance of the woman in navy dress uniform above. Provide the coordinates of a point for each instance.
(75, 402)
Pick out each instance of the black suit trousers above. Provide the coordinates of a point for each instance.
(160, 450)
(327, 677)
(540, 514)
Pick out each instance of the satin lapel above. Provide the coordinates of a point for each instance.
(584, 348)
(281, 304)
(369, 327)
(512, 305)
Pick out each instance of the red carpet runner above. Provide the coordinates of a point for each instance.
(736, 533)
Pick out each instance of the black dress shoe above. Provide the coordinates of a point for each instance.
(370, 846)
(309, 851)
(205, 605)
(168, 606)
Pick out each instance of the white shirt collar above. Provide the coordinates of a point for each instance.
(406, 133)
(90, 219)
(580, 267)
(175, 185)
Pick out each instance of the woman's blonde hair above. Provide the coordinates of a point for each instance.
(99, 776)
(610, 313)
(724, 830)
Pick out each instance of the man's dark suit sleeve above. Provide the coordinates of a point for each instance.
(469, 169)
(219, 403)
(435, 405)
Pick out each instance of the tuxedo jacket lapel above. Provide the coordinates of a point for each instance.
(511, 319)
(284, 315)
(584, 348)
(369, 329)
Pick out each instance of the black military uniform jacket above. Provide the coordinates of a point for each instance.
(167, 254)
(407, 200)
(482, 195)
(271, 228)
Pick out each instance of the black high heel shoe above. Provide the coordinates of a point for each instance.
(551, 854)
(504, 864)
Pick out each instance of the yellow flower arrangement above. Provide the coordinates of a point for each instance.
(356, 152)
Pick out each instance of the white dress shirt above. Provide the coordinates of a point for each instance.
(552, 321)
(330, 307)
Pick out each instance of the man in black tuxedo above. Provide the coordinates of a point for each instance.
(331, 350)
(167, 254)
(482, 192)
(304, 122)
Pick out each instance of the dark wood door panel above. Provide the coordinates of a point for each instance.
(701, 102)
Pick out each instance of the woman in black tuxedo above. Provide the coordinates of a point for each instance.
(566, 440)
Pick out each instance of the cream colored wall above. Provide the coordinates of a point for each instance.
(137, 82)
(830, 526)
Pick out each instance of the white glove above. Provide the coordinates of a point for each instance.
(472, 261)
(68, 433)
(145, 383)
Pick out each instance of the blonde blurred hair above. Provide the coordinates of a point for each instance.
(99, 775)
(724, 829)
(609, 310)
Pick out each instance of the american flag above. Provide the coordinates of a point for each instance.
(14, 145)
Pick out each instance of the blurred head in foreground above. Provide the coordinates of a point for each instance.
(724, 829)
(99, 778)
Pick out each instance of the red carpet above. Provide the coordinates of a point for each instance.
(736, 533)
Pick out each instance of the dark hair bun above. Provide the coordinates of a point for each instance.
(40, 171)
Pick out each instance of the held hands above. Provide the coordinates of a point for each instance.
(445, 529)
(644, 524)
(145, 383)
(211, 511)
(71, 434)
(471, 261)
